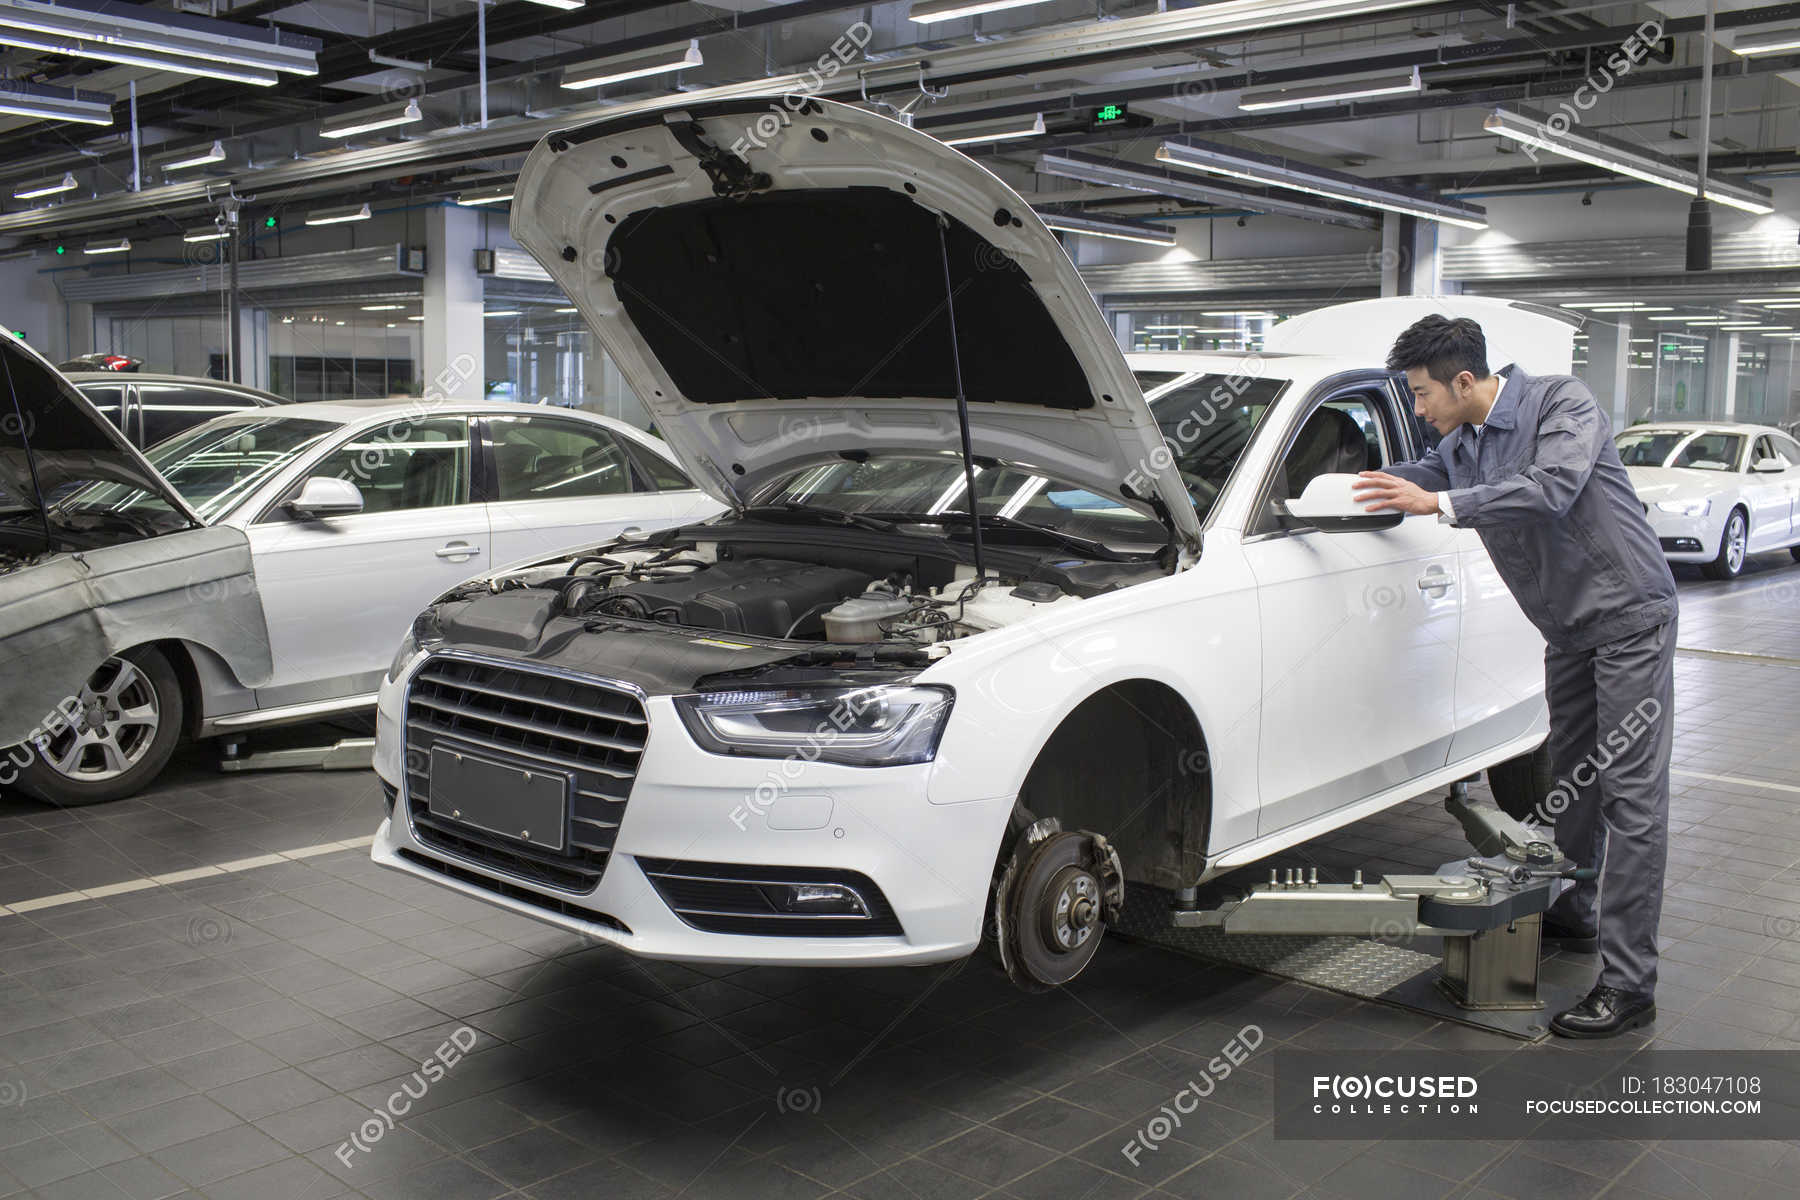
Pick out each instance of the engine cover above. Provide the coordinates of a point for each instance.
(764, 596)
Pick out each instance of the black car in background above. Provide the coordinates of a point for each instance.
(149, 408)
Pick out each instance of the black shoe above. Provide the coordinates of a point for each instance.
(1577, 939)
(1605, 1012)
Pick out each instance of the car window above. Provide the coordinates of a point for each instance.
(109, 398)
(1788, 448)
(1711, 452)
(217, 465)
(543, 458)
(1341, 437)
(663, 475)
(170, 408)
(405, 464)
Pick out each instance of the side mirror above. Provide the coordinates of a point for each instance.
(322, 496)
(1769, 466)
(1328, 505)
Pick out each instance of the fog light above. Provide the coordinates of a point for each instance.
(816, 899)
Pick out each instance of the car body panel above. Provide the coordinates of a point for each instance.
(68, 607)
(837, 381)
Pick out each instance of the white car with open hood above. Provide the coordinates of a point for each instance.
(1716, 492)
(845, 721)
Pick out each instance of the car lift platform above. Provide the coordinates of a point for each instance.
(1461, 944)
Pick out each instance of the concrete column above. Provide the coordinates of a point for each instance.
(1394, 252)
(1428, 261)
(1608, 363)
(1721, 375)
(253, 346)
(454, 338)
(1781, 407)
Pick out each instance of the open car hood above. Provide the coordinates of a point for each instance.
(53, 436)
(777, 279)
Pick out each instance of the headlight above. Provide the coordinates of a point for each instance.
(424, 634)
(883, 726)
(1685, 508)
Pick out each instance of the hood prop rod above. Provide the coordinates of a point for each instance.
(962, 405)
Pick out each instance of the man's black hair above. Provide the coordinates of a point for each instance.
(1445, 347)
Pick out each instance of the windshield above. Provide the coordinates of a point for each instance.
(1695, 449)
(215, 465)
(1206, 419)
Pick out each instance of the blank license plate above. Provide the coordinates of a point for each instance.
(524, 806)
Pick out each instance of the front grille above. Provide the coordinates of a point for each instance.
(730, 898)
(591, 732)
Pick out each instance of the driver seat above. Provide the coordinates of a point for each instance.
(1330, 443)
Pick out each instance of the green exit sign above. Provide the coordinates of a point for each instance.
(1108, 115)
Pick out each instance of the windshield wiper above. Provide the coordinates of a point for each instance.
(1070, 541)
(834, 515)
(94, 521)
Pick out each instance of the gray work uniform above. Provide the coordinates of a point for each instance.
(1544, 487)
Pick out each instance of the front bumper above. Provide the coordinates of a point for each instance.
(932, 863)
(1686, 539)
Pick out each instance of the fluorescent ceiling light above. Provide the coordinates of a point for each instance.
(1793, 299)
(1609, 155)
(503, 312)
(204, 234)
(1771, 328)
(1161, 182)
(368, 124)
(1116, 228)
(214, 153)
(1767, 43)
(678, 57)
(1277, 172)
(565, 5)
(1249, 314)
(168, 41)
(415, 318)
(46, 187)
(383, 307)
(570, 309)
(493, 195)
(1691, 320)
(336, 216)
(927, 11)
(1319, 93)
(48, 103)
(1008, 130)
(118, 247)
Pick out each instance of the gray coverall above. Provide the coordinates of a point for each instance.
(1545, 489)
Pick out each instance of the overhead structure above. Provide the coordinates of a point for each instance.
(1315, 181)
(678, 57)
(1121, 229)
(41, 100)
(1335, 91)
(1609, 154)
(1105, 172)
(135, 35)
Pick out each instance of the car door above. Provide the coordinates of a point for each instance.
(340, 592)
(1359, 629)
(1789, 450)
(556, 482)
(164, 408)
(1770, 497)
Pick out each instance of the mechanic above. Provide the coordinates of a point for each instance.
(1529, 463)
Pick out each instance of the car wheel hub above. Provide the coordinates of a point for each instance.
(118, 721)
(1071, 909)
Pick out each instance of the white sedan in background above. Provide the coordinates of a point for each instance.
(1716, 493)
(361, 513)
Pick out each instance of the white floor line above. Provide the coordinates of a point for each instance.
(39, 903)
(1761, 783)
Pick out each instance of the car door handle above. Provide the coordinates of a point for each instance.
(631, 531)
(458, 551)
(1437, 581)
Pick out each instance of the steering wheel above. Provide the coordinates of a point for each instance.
(1202, 489)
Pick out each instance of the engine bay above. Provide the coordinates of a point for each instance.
(819, 590)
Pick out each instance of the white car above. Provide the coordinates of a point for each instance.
(358, 514)
(844, 722)
(1716, 493)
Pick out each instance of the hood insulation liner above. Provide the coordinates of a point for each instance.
(827, 293)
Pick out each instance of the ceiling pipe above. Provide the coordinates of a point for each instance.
(1699, 229)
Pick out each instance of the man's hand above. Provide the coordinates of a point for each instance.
(1380, 492)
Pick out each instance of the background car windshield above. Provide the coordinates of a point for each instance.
(1680, 448)
(1711, 452)
(1208, 420)
(217, 464)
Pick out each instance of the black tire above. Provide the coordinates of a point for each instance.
(1732, 551)
(1795, 551)
(1521, 784)
(156, 679)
